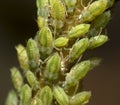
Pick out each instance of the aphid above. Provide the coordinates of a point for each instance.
(77, 49)
(22, 57)
(78, 31)
(81, 98)
(12, 98)
(46, 95)
(58, 10)
(33, 53)
(32, 80)
(41, 21)
(77, 73)
(70, 5)
(16, 78)
(61, 42)
(42, 6)
(60, 95)
(110, 3)
(25, 95)
(36, 101)
(53, 67)
(45, 37)
(100, 22)
(97, 41)
(93, 10)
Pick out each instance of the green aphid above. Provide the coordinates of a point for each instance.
(53, 67)
(32, 80)
(97, 41)
(33, 53)
(99, 23)
(16, 78)
(36, 101)
(78, 31)
(46, 95)
(41, 21)
(42, 8)
(70, 5)
(45, 37)
(60, 95)
(78, 49)
(93, 10)
(58, 10)
(77, 73)
(81, 98)
(110, 3)
(22, 57)
(12, 98)
(25, 95)
(61, 42)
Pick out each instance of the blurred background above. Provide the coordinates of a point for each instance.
(18, 23)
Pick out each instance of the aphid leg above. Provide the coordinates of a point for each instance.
(79, 59)
(90, 2)
(76, 88)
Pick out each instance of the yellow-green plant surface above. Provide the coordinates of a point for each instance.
(52, 62)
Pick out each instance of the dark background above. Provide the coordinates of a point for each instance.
(18, 23)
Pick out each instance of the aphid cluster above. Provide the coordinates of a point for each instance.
(52, 61)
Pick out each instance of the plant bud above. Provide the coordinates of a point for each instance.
(25, 95)
(81, 98)
(46, 95)
(12, 98)
(60, 95)
(61, 42)
(77, 73)
(93, 10)
(70, 5)
(77, 49)
(33, 53)
(97, 41)
(45, 37)
(22, 57)
(58, 10)
(16, 78)
(32, 80)
(78, 31)
(53, 67)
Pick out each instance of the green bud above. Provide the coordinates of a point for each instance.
(12, 98)
(32, 80)
(60, 95)
(70, 5)
(33, 53)
(97, 41)
(53, 67)
(45, 37)
(41, 22)
(16, 78)
(77, 49)
(36, 101)
(78, 31)
(77, 73)
(25, 95)
(58, 10)
(22, 57)
(93, 10)
(61, 42)
(46, 95)
(81, 98)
